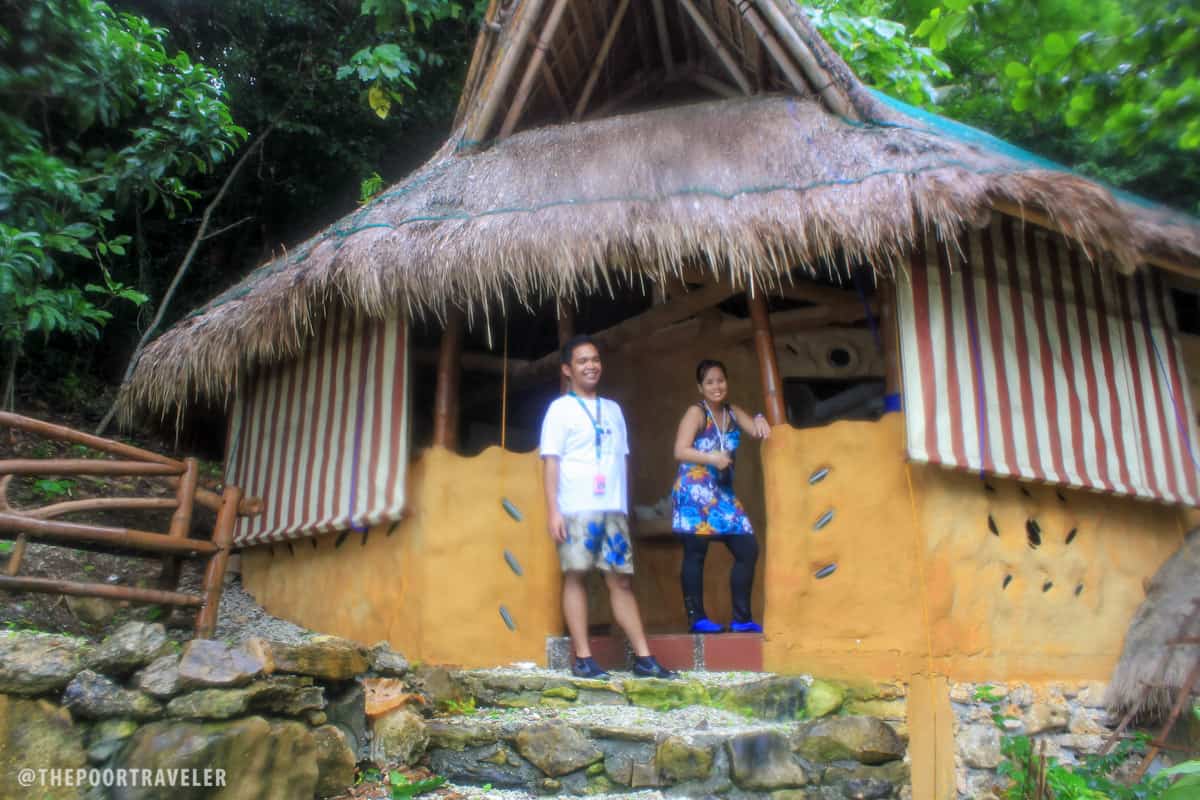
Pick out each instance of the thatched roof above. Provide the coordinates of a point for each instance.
(753, 186)
(1150, 673)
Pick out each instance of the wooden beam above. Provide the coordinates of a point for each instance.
(811, 292)
(889, 336)
(115, 537)
(1042, 219)
(635, 87)
(781, 58)
(131, 593)
(536, 61)
(473, 361)
(566, 329)
(449, 369)
(495, 85)
(714, 41)
(601, 56)
(768, 365)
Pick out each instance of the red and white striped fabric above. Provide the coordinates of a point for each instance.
(1022, 359)
(324, 439)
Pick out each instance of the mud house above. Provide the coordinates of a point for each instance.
(973, 359)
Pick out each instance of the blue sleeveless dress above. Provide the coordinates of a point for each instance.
(702, 499)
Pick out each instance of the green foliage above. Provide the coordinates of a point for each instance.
(1094, 778)
(389, 69)
(1108, 86)
(453, 706)
(402, 786)
(369, 188)
(51, 489)
(880, 50)
(96, 117)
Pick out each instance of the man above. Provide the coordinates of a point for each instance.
(584, 448)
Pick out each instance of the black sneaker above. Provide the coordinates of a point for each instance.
(588, 668)
(649, 667)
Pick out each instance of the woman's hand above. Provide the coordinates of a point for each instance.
(762, 428)
(720, 459)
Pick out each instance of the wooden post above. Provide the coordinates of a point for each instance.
(449, 369)
(566, 329)
(889, 335)
(181, 521)
(768, 366)
(214, 574)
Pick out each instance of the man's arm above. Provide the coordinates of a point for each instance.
(554, 517)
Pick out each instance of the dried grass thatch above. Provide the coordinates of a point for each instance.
(752, 187)
(1150, 673)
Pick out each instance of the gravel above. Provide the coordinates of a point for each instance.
(710, 679)
(241, 618)
(515, 794)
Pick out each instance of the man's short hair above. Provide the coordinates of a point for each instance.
(568, 349)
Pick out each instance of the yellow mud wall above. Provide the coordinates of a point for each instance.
(433, 586)
(920, 582)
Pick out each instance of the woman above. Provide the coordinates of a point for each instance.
(703, 502)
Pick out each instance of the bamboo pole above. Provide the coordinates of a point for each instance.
(84, 466)
(214, 574)
(610, 36)
(555, 91)
(16, 555)
(449, 369)
(116, 537)
(705, 81)
(534, 68)
(50, 586)
(664, 37)
(781, 59)
(496, 84)
(768, 365)
(210, 500)
(781, 15)
(98, 504)
(714, 41)
(181, 520)
(477, 58)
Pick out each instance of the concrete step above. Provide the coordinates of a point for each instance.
(686, 651)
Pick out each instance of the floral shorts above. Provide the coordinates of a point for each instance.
(596, 540)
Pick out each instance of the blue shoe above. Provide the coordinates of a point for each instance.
(750, 626)
(648, 667)
(706, 625)
(588, 668)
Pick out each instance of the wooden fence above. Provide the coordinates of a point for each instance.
(43, 523)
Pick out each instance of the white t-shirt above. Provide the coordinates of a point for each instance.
(568, 433)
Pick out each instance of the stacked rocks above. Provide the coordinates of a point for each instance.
(137, 701)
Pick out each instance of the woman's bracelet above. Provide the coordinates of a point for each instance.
(759, 415)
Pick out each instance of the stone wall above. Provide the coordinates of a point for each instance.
(1067, 719)
(264, 719)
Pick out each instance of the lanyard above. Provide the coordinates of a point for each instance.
(594, 420)
(720, 432)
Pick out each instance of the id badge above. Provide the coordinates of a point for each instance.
(598, 485)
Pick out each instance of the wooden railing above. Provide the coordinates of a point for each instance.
(25, 524)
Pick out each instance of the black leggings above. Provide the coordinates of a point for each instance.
(741, 578)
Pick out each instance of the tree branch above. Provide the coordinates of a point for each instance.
(201, 235)
(230, 227)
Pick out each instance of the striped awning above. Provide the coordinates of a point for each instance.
(324, 439)
(1022, 359)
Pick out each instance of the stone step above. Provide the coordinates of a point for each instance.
(685, 651)
(690, 751)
